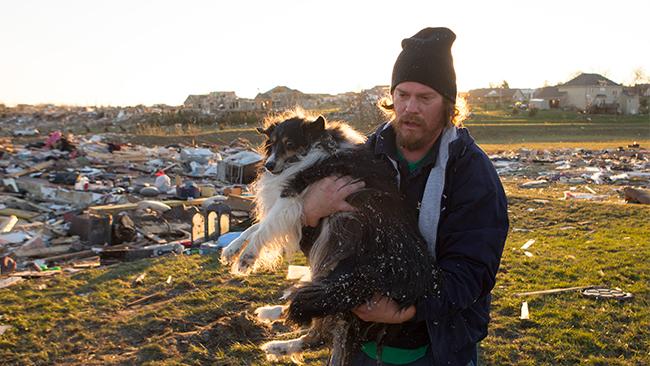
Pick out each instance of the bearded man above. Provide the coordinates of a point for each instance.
(452, 187)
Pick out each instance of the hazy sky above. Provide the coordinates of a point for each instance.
(132, 52)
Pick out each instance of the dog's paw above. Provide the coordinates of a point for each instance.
(276, 350)
(229, 253)
(269, 314)
(243, 265)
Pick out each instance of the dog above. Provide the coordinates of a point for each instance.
(375, 249)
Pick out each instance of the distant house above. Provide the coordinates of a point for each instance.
(282, 97)
(548, 97)
(376, 93)
(495, 96)
(593, 92)
(218, 101)
(629, 102)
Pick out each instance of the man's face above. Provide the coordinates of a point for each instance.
(419, 115)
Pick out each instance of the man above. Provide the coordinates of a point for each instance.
(453, 188)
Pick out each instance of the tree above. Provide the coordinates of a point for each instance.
(640, 76)
(504, 85)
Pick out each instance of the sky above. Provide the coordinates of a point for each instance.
(147, 52)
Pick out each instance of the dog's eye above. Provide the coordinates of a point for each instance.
(290, 145)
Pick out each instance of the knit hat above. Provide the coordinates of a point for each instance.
(426, 59)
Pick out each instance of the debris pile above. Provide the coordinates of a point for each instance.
(68, 202)
(626, 169)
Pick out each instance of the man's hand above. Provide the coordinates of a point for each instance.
(327, 196)
(382, 309)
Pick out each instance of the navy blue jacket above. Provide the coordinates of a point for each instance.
(472, 230)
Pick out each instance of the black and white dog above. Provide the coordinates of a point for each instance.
(375, 249)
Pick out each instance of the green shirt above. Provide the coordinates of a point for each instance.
(397, 356)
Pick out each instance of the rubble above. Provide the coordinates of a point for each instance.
(623, 168)
(70, 203)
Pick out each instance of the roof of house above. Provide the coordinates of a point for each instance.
(589, 80)
(492, 92)
(276, 90)
(548, 92)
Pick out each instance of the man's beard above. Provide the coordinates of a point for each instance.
(413, 140)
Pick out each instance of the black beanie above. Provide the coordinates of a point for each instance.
(426, 59)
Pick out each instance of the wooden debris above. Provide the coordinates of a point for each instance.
(552, 291)
(32, 274)
(8, 223)
(144, 299)
(112, 209)
(91, 262)
(42, 252)
(36, 168)
(21, 214)
(140, 279)
(10, 281)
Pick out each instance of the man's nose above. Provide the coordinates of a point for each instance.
(411, 105)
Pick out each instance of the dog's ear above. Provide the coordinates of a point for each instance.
(316, 127)
(268, 131)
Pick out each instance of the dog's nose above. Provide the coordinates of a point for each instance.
(270, 165)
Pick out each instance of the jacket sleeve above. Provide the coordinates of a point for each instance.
(471, 236)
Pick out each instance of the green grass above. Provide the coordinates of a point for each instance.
(204, 317)
(487, 127)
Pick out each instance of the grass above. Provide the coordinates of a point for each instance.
(487, 127)
(205, 315)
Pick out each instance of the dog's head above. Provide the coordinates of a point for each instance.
(287, 140)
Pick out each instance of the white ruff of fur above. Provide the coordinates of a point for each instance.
(284, 225)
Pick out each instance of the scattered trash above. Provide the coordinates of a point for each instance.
(568, 195)
(535, 184)
(140, 279)
(527, 244)
(524, 311)
(540, 169)
(606, 293)
(4, 328)
(552, 291)
(10, 281)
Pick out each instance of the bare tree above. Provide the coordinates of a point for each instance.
(640, 76)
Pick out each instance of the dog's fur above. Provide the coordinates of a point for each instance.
(374, 249)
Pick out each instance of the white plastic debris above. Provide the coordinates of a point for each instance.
(583, 196)
(524, 311)
(199, 155)
(623, 176)
(154, 205)
(163, 183)
(535, 184)
(528, 244)
(528, 254)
